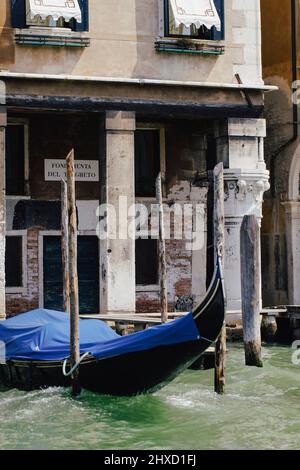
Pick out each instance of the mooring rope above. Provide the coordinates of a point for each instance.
(67, 374)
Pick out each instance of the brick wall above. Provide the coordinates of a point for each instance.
(18, 303)
(186, 154)
(179, 257)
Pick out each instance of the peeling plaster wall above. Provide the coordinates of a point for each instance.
(186, 153)
(186, 268)
(29, 300)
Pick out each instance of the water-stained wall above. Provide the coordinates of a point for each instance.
(122, 38)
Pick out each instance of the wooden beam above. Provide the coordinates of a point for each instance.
(219, 244)
(159, 109)
(244, 92)
(65, 245)
(251, 282)
(74, 298)
(162, 254)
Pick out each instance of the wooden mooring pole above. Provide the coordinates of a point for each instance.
(65, 245)
(74, 299)
(162, 254)
(219, 243)
(251, 285)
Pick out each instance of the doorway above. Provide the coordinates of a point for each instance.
(88, 274)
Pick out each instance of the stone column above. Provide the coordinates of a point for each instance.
(292, 218)
(2, 212)
(240, 147)
(117, 253)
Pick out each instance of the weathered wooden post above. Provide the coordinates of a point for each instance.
(74, 299)
(162, 254)
(3, 123)
(219, 243)
(65, 245)
(251, 282)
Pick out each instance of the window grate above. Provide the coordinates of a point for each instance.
(49, 40)
(189, 47)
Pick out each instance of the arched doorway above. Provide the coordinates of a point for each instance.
(292, 214)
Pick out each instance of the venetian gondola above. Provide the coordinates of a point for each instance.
(37, 349)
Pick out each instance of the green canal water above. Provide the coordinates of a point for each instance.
(261, 410)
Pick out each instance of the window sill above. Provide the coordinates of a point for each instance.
(189, 46)
(17, 197)
(147, 288)
(15, 290)
(56, 37)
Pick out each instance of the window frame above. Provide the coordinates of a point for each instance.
(19, 289)
(149, 287)
(144, 126)
(25, 124)
(57, 233)
(18, 19)
(215, 35)
(162, 153)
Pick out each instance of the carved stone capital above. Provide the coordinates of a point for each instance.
(259, 188)
(244, 193)
(241, 190)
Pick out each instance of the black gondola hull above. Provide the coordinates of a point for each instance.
(126, 375)
(143, 371)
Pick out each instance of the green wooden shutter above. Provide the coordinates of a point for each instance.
(88, 274)
(18, 14)
(219, 35)
(84, 25)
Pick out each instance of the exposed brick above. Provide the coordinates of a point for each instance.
(29, 300)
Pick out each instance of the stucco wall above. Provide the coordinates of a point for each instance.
(122, 45)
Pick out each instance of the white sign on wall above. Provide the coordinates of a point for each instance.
(85, 170)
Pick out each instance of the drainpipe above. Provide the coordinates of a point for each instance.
(294, 25)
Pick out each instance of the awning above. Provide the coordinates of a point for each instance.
(56, 9)
(195, 12)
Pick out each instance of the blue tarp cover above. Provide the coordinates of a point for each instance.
(44, 335)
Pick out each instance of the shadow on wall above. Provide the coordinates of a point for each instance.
(163, 65)
(279, 116)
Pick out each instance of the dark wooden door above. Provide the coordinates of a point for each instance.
(88, 274)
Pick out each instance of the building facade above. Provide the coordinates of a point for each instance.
(149, 86)
(281, 225)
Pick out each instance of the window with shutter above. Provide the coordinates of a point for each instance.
(71, 14)
(195, 19)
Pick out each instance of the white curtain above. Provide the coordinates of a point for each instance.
(195, 12)
(55, 9)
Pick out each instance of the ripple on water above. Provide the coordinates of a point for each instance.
(259, 411)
